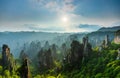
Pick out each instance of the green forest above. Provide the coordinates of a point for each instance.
(80, 61)
(59, 38)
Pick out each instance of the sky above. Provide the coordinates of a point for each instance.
(58, 15)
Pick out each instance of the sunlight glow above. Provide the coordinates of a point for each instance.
(64, 19)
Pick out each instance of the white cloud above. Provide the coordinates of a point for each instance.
(52, 4)
(63, 6)
(67, 8)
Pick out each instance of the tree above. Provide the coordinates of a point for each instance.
(7, 74)
(1, 69)
(74, 57)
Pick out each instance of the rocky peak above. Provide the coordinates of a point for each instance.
(117, 37)
(6, 50)
(7, 58)
(105, 42)
(24, 69)
(118, 56)
(87, 48)
(46, 45)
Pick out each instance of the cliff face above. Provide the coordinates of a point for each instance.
(117, 37)
(24, 69)
(7, 58)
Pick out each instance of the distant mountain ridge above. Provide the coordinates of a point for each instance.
(16, 40)
(115, 28)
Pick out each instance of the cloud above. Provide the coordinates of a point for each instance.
(47, 14)
(68, 1)
(84, 11)
(88, 27)
(61, 29)
(37, 27)
(52, 4)
(62, 6)
(116, 24)
(98, 8)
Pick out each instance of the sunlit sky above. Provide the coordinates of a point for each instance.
(58, 15)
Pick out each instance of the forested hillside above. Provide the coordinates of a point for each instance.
(78, 59)
(59, 38)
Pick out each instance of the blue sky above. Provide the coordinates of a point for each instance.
(58, 15)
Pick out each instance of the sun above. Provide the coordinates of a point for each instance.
(64, 19)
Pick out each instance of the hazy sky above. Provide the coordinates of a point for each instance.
(58, 15)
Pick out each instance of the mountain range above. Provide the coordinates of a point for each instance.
(115, 28)
(16, 40)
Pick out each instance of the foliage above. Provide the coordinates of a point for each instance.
(100, 64)
(6, 73)
(1, 68)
